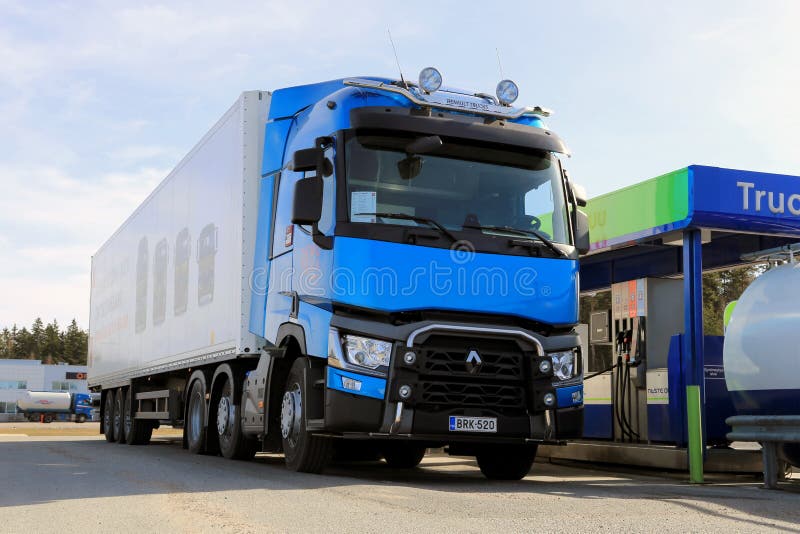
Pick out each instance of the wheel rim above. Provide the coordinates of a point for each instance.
(224, 415)
(291, 414)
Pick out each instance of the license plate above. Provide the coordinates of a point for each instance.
(472, 424)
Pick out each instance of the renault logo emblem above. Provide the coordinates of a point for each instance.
(474, 362)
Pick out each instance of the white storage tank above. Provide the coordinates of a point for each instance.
(762, 345)
(761, 354)
(45, 401)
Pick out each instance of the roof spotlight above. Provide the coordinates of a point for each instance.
(430, 79)
(507, 92)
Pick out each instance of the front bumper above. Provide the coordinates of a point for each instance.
(507, 386)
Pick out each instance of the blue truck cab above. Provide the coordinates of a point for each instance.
(417, 261)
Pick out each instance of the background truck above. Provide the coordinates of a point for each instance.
(48, 406)
(362, 264)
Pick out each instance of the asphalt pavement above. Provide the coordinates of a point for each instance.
(53, 483)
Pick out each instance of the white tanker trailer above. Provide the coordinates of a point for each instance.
(49, 405)
(761, 354)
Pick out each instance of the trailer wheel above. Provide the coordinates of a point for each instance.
(506, 463)
(403, 454)
(108, 416)
(302, 450)
(194, 427)
(233, 443)
(48, 418)
(119, 413)
(137, 432)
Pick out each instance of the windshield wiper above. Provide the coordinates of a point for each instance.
(406, 217)
(535, 233)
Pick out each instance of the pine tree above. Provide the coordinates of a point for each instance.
(75, 344)
(37, 337)
(53, 345)
(23, 344)
(6, 343)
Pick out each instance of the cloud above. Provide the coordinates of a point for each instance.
(52, 297)
(52, 223)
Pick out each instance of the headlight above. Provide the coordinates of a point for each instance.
(563, 364)
(366, 352)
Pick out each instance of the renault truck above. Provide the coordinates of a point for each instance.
(363, 264)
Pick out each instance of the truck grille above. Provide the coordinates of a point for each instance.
(445, 356)
(493, 397)
(446, 382)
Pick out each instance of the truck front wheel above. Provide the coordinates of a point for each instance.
(81, 418)
(108, 416)
(302, 450)
(506, 463)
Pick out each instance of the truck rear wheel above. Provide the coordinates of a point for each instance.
(302, 450)
(233, 443)
(403, 454)
(119, 415)
(137, 432)
(506, 463)
(108, 416)
(195, 424)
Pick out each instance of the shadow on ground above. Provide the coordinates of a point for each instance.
(57, 469)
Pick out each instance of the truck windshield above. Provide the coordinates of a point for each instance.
(460, 186)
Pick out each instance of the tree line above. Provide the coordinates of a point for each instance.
(48, 343)
(721, 288)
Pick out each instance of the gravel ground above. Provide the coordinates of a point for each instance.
(82, 484)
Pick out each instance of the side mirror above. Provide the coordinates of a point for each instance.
(308, 159)
(582, 242)
(579, 194)
(307, 207)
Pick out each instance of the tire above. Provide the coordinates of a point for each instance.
(108, 416)
(195, 423)
(137, 432)
(506, 463)
(228, 423)
(403, 454)
(302, 451)
(119, 413)
(48, 418)
(80, 418)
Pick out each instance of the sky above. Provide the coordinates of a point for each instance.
(99, 100)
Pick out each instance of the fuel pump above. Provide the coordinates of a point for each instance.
(633, 337)
(629, 315)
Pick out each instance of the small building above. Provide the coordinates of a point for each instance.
(17, 376)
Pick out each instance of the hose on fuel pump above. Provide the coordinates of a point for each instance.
(622, 386)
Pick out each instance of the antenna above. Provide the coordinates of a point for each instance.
(394, 48)
(502, 77)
